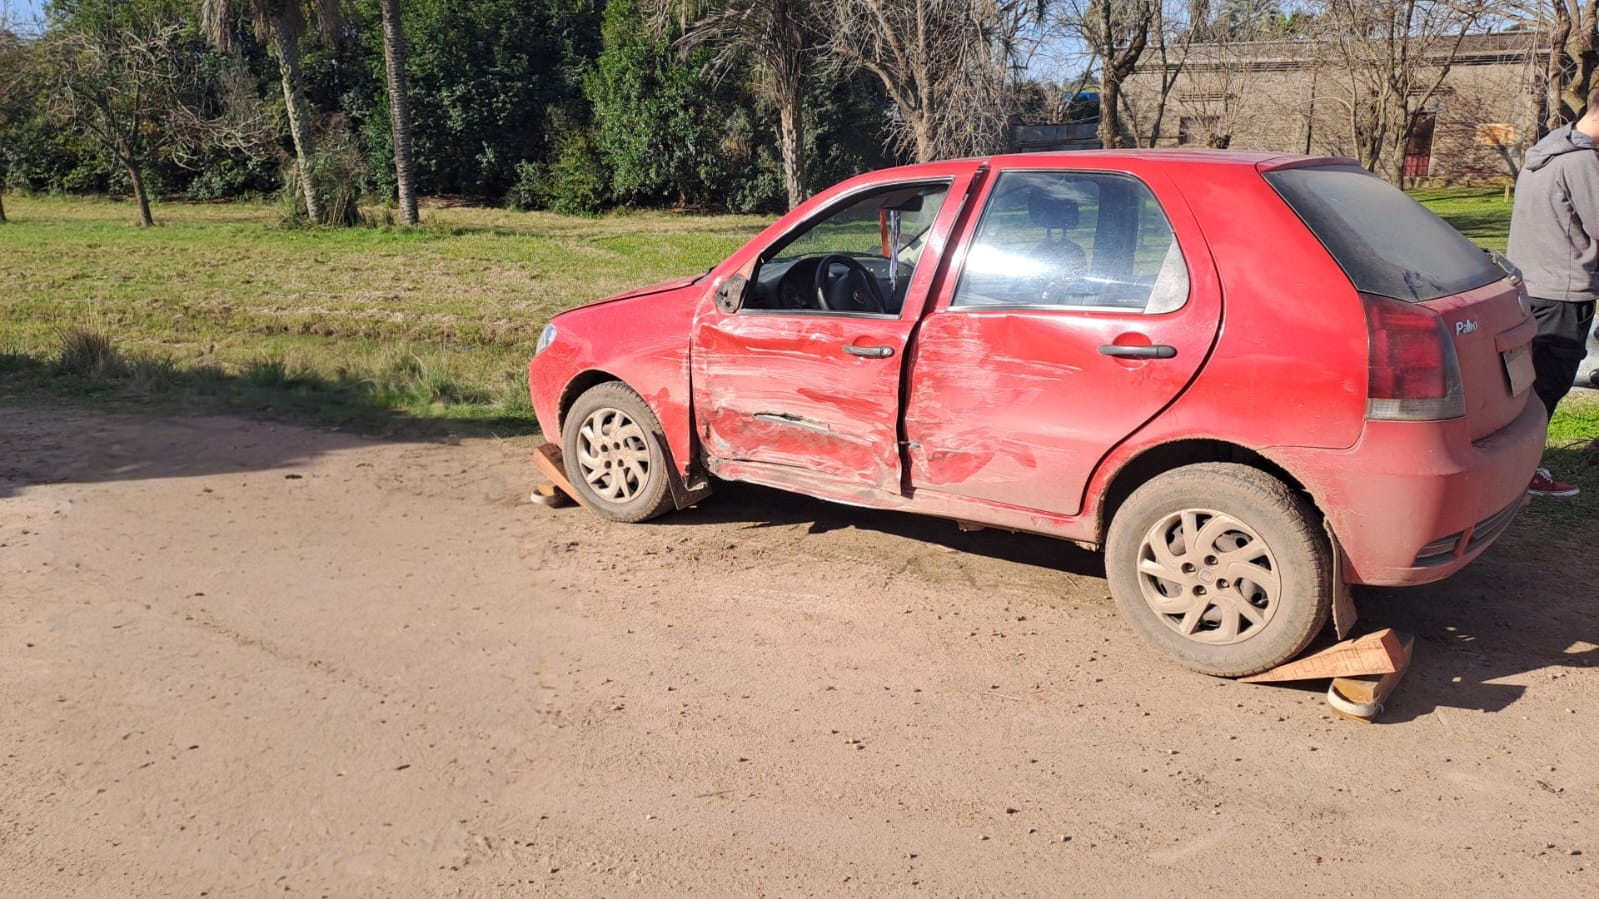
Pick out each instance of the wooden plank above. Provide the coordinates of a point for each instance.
(547, 459)
(1362, 698)
(1375, 653)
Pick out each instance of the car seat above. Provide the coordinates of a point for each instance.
(1063, 260)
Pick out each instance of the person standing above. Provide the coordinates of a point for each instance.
(1554, 240)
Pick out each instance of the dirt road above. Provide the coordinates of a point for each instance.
(239, 658)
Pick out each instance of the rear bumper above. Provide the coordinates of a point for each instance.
(1413, 503)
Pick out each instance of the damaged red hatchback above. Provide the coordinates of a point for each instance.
(1249, 378)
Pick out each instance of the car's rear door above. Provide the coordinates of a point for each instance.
(1039, 360)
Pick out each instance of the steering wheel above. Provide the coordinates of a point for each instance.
(862, 295)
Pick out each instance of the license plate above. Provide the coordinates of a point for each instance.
(1518, 368)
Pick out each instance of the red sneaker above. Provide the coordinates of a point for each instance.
(1543, 484)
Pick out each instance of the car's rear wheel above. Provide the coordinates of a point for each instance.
(612, 449)
(1221, 567)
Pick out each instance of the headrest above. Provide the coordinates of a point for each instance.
(1049, 211)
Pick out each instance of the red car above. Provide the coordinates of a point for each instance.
(1249, 378)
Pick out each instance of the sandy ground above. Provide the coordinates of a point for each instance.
(239, 658)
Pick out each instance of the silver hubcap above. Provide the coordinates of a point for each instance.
(1209, 576)
(613, 453)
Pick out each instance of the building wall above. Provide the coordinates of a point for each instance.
(1290, 97)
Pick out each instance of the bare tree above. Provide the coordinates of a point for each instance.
(1572, 27)
(125, 83)
(781, 38)
(947, 65)
(1223, 66)
(1116, 33)
(283, 23)
(1174, 33)
(1393, 57)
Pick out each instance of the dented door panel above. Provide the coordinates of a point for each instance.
(1019, 407)
(1021, 384)
(783, 389)
(816, 390)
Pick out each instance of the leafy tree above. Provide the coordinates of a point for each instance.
(658, 125)
(16, 103)
(844, 135)
(1247, 19)
(486, 81)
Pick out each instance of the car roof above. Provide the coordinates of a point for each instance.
(1182, 156)
(1259, 159)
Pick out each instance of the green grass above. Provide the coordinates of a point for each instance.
(220, 307)
(1480, 213)
(1573, 456)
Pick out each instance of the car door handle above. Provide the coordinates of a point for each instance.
(870, 352)
(1157, 351)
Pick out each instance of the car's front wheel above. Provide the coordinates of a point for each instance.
(611, 444)
(1222, 567)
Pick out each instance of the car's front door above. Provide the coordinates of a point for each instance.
(805, 373)
(1084, 305)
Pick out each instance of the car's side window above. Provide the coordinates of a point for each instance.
(858, 258)
(1073, 239)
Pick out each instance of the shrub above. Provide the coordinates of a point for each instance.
(574, 184)
(89, 355)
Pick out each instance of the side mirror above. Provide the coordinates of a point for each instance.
(730, 294)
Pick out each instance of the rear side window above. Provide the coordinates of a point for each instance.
(1083, 240)
(1387, 243)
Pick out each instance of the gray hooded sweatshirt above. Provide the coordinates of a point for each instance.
(1554, 224)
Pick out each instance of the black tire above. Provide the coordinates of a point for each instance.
(1221, 616)
(611, 444)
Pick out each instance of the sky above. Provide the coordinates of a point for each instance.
(20, 14)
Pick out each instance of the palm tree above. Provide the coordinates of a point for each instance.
(399, 110)
(283, 23)
(780, 37)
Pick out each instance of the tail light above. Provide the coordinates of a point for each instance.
(1414, 374)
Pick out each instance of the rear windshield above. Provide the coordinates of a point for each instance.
(1387, 243)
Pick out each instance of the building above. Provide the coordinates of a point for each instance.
(1295, 96)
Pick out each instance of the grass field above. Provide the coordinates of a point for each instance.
(218, 306)
(221, 308)
(1480, 213)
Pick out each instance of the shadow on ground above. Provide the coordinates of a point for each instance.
(1525, 610)
(764, 507)
(102, 385)
(85, 444)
